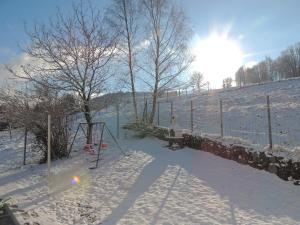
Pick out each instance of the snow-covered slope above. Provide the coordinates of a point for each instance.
(245, 117)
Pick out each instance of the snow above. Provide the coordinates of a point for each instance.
(244, 115)
(153, 185)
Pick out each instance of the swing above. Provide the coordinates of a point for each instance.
(101, 146)
(96, 136)
(104, 146)
(89, 149)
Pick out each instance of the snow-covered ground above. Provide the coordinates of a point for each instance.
(153, 185)
(245, 118)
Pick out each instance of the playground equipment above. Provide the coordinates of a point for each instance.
(97, 140)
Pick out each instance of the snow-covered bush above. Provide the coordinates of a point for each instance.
(30, 110)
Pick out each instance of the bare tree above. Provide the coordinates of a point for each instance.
(72, 54)
(240, 77)
(227, 82)
(123, 15)
(197, 80)
(167, 54)
(29, 109)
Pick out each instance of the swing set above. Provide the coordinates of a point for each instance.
(96, 136)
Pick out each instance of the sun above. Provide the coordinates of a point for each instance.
(217, 57)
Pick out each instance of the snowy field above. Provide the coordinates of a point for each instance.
(153, 185)
(245, 118)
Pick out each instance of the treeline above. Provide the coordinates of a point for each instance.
(287, 65)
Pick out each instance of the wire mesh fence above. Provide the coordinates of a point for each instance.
(254, 120)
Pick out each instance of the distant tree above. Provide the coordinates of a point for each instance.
(240, 77)
(263, 72)
(167, 55)
(227, 82)
(72, 54)
(197, 79)
(288, 63)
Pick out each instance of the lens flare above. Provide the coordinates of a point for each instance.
(75, 180)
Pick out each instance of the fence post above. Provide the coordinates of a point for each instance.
(10, 136)
(25, 146)
(179, 92)
(171, 111)
(146, 111)
(192, 117)
(157, 113)
(118, 121)
(269, 123)
(221, 118)
(49, 144)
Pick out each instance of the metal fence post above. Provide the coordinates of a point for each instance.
(221, 118)
(157, 113)
(25, 146)
(192, 117)
(269, 123)
(118, 121)
(171, 111)
(146, 111)
(49, 144)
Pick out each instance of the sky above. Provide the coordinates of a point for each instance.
(229, 33)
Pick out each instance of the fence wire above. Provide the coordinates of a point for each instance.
(243, 119)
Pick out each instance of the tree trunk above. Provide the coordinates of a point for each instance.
(132, 83)
(154, 100)
(88, 118)
(129, 44)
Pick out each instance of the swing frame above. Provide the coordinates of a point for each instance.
(103, 127)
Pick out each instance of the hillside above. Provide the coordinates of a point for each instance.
(245, 115)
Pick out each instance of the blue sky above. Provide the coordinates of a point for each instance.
(260, 27)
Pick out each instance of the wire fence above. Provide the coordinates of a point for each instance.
(258, 120)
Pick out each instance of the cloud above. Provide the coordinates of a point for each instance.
(15, 63)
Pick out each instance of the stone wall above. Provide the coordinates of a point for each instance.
(286, 169)
(283, 168)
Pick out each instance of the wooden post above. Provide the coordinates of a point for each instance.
(49, 144)
(25, 146)
(157, 113)
(221, 118)
(118, 121)
(269, 123)
(192, 117)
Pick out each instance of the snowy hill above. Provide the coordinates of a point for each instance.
(245, 116)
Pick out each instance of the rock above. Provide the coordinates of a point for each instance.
(272, 168)
(297, 182)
